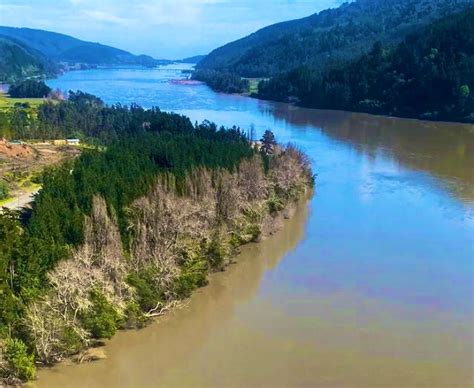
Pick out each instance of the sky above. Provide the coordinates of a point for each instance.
(168, 29)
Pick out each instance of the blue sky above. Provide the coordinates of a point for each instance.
(162, 28)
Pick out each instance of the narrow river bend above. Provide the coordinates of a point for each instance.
(369, 285)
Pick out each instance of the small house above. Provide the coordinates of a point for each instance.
(73, 141)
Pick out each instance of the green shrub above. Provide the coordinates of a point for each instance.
(193, 275)
(71, 342)
(134, 317)
(148, 296)
(275, 204)
(4, 191)
(216, 253)
(20, 363)
(101, 319)
(236, 241)
(253, 230)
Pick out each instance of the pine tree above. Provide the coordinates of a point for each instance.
(268, 142)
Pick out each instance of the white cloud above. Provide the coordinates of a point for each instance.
(162, 28)
(107, 17)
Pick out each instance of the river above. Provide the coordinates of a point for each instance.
(371, 284)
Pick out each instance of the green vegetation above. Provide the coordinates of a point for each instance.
(148, 294)
(429, 75)
(327, 38)
(18, 360)
(268, 142)
(101, 319)
(404, 58)
(4, 190)
(7, 103)
(19, 61)
(29, 89)
(128, 229)
(26, 53)
(222, 81)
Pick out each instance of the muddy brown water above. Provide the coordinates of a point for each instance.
(370, 284)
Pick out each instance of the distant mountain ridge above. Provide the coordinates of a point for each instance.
(64, 48)
(331, 36)
(26, 53)
(194, 59)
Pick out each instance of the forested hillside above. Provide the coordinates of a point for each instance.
(131, 227)
(194, 59)
(18, 61)
(26, 53)
(329, 37)
(64, 48)
(429, 75)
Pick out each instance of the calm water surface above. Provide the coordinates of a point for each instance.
(369, 285)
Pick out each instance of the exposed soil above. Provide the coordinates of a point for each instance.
(19, 163)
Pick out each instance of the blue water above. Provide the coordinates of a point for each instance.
(392, 220)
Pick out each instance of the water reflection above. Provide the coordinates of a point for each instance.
(445, 150)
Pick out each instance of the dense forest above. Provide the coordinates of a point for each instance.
(131, 227)
(29, 89)
(327, 38)
(85, 116)
(19, 61)
(429, 75)
(222, 81)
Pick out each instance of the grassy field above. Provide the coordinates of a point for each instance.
(6, 102)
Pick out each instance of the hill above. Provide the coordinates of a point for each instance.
(63, 48)
(18, 61)
(329, 37)
(195, 59)
(429, 75)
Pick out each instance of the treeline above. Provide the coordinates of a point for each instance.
(131, 227)
(223, 82)
(85, 116)
(429, 75)
(29, 89)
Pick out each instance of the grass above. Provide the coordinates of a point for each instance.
(7, 102)
(3, 202)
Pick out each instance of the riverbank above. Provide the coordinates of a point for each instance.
(275, 239)
(294, 102)
(172, 341)
(175, 236)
